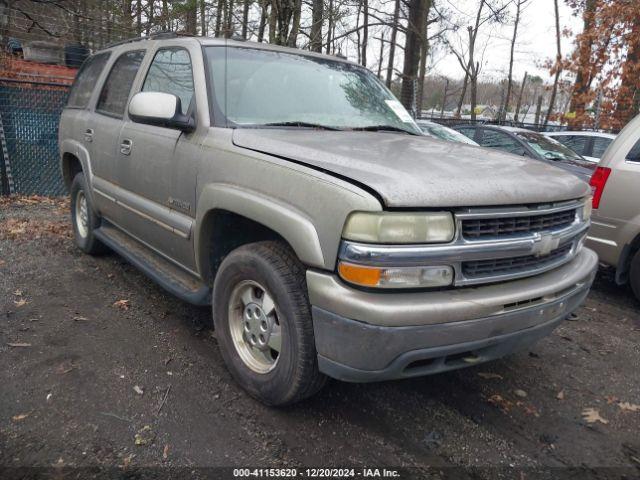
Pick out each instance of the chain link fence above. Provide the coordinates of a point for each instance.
(29, 117)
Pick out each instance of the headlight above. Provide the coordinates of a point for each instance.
(396, 277)
(391, 227)
(587, 208)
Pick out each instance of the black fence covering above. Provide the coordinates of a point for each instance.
(29, 117)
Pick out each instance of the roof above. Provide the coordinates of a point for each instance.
(216, 41)
(581, 133)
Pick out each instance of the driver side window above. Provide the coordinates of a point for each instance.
(171, 72)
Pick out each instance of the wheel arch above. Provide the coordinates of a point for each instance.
(230, 216)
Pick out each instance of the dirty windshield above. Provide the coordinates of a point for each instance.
(261, 88)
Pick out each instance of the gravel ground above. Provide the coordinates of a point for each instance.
(100, 368)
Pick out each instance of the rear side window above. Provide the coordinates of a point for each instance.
(467, 131)
(115, 93)
(501, 141)
(171, 72)
(600, 144)
(634, 153)
(577, 143)
(86, 80)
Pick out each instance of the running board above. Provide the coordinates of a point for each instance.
(169, 276)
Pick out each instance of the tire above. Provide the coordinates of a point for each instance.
(270, 267)
(84, 228)
(634, 275)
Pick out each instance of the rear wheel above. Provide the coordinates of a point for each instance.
(634, 275)
(83, 218)
(263, 323)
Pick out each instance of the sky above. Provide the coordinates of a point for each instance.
(536, 41)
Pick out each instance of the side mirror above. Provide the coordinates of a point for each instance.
(161, 109)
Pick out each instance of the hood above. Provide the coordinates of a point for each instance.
(418, 171)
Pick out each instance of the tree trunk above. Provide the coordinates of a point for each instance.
(462, 95)
(330, 27)
(203, 18)
(418, 10)
(380, 58)
(392, 43)
(219, 14)
(558, 67)
(165, 15)
(191, 20)
(538, 110)
(474, 90)
(272, 21)
(139, 17)
(519, 102)
(424, 50)
(582, 84)
(228, 23)
(295, 24)
(263, 20)
(513, 45)
(365, 31)
(444, 97)
(245, 18)
(628, 97)
(317, 15)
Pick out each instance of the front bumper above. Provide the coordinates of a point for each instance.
(370, 336)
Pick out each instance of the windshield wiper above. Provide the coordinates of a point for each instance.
(382, 128)
(295, 124)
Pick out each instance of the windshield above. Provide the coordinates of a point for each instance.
(444, 133)
(254, 88)
(548, 147)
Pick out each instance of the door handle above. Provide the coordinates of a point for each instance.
(88, 135)
(126, 146)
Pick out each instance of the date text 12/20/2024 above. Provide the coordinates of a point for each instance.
(316, 472)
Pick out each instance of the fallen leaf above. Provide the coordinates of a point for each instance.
(501, 402)
(20, 303)
(80, 319)
(145, 436)
(165, 452)
(489, 376)
(611, 399)
(560, 395)
(18, 293)
(138, 390)
(122, 304)
(22, 416)
(19, 345)
(629, 407)
(591, 415)
(520, 393)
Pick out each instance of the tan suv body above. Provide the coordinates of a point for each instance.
(615, 229)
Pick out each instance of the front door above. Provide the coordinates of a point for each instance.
(158, 191)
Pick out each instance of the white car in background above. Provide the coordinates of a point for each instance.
(591, 145)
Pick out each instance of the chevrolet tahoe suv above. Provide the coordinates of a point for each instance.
(295, 195)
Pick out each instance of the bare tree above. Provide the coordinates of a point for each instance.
(392, 43)
(519, 5)
(557, 67)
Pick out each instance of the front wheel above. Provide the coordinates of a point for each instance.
(263, 323)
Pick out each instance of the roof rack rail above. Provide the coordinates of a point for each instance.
(153, 36)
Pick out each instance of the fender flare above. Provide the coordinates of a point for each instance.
(286, 220)
(79, 151)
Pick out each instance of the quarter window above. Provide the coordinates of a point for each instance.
(171, 72)
(600, 144)
(467, 131)
(634, 153)
(115, 93)
(86, 81)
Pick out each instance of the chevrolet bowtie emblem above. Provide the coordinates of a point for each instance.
(545, 245)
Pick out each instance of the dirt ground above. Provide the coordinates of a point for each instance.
(101, 368)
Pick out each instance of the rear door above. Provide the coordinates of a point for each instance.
(104, 127)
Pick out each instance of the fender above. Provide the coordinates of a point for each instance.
(286, 220)
(78, 150)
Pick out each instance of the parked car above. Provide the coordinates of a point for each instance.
(520, 141)
(590, 145)
(615, 233)
(293, 193)
(435, 130)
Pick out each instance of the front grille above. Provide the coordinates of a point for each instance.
(473, 229)
(513, 265)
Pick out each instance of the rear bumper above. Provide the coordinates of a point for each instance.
(450, 335)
